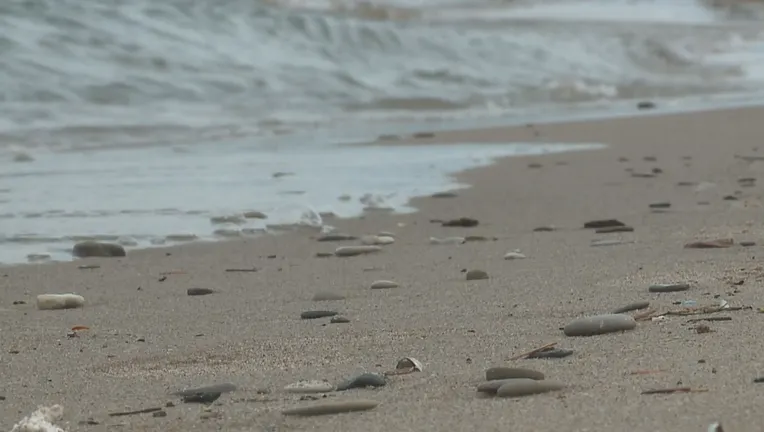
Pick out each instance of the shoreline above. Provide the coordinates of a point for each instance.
(249, 332)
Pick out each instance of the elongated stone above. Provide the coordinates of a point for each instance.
(664, 288)
(527, 387)
(632, 307)
(214, 388)
(364, 380)
(476, 275)
(602, 223)
(97, 249)
(317, 314)
(311, 386)
(377, 240)
(384, 284)
(59, 301)
(600, 324)
(327, 296)
(333, 237)
(199, 291)
(501, 372)
(348, 251)
(331, 408)
(491, 387)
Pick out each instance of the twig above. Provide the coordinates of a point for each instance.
(535, 351)
(142, 411)
(674, 390)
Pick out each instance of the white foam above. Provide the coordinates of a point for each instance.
(41, 420)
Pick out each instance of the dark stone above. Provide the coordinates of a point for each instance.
(730, 198)
(551, 354)
(544, 229)
(199, 291)
(444, 195)
(202, 397)
(339, 320)
(645, 105)
(363, 380)
(614, 229)
(660, 205)
(461, 222)
(98, 249)
(317, 314)
(632, 307)
(604, 223)
(747, 243)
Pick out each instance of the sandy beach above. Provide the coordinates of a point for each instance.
(147, 338)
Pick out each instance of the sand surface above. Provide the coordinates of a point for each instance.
(147, 338)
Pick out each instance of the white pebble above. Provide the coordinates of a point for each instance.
(377, 240)
(514, 255)
(59, 301)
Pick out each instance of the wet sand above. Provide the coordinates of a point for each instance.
(148, 338)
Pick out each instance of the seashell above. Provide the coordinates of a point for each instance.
(409, 363)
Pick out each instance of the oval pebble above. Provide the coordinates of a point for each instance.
(384, 284)
(632, 307)
(377, 240)
(599, 324)
(327, 296)
(476, 275)
(199, 291)
(309, 386)
(364, 380)
(339, 320)
(664, 288)
(514, 256)
(336, 237)
(59, 301)
(317, 314)
(491, 387)
(500, 373)
(527, 387)
(331, 408)
(348, 251)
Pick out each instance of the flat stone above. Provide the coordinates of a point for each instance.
(336, 407)
(255, 215)
(444, 195)
(327, 296)
(608, 230)
(526, 387)
(214, 388)
(317, 314)
(97, 249)
(552, 353)
(711, 244)
(339, 320)
(377, 240)
(199, 291)
(364, 380)
(664, 288)
(333, 237)
(348, 251)
(603, 223)
(476, 238)
(632, 307)
(544, 229)
(309, 386)
(59, 301)
(461, 222)
(514, 255)
(501, 372)
(600, 324)
(201, 397)
(476, 275)
(607, 242)
(660, 205)
(447, 240)
(491, 387)
(384, 284)
(747, 243)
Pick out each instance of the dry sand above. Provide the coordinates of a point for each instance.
(148, 338)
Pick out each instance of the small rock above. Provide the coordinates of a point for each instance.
(333, 237)
(606, 242)
(491, 387)
(551, 353)
(645, 105)
(255, 215)
(615, 229)
(660, 205)
(461, 222)
(339, 320)
(317, 314)
(632, 307)
(324, 255)
(199, 291)
(348, 251)
(59, 301)
(502, 373)
(327, 296)
(544, 229)
(97, 249)
(384, 284)
(514, 255)
(730, 198)
(527, 387)
(409, 363)
(747, 243)
(444, 195)
(312, 386)
(476, 275)
(161, 413)
(642, 175)
(664, 288)
(603, 223)
(215, 388)
(447, 240)
(476, 239)
(600, 324)
(363, 380)
(336, 407)
(710, 244)
(201, 397)
(377, 240)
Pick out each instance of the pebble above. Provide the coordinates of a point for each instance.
(527, 387)
(339, 320)
(660, 205)
(616, 229)
(255, 215)
(199, 291)
(214, 388)
(600, 324)
(711, 244)
(309, 386)
(551, 353)
(747, 243)
(317, 314)
(332, 237)
(97, 249)
(491, 387)
(502, 373)
(444, 195)
(348, 251)
(447, 240)
(642, 175)
(384, 284)
(544, 229)
(201, 397)
(476, 275)
(514, 255)
(461, 222)
(336, 407)
(327, 296)
(377, 240)
(59, 301)
(632, 307)
(477, 239)
(664, 288)
(607, 242)
(603, 223)
(364, 380)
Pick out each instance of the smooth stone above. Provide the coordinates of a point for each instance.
(255, 215)
(348, 251)
(711, 244)
(447, 240)
(339, 320)
(551, 354)
(600, 324)
(337, 407)
(444, 195)
(317, 314)
(660, 205)
(386, 234)
(332, 237)
(327, 296)
(609, 230)
(664, 288)
(199, 291)
(461, 222)
(202, 397)
(309, 386)
(518, 388)
(59, 301)
(599, 243)
(747, 243)
(603, 223)
(544, 229)
(97, 249)
(501, 373)
(476, 239)
(377, 240)
(476, 275)
(632, 307)
(491, 387)
(514, 256)
(384, 284)
(364, 380)
(214, 388)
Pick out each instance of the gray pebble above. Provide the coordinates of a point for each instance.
(331, 408)
(339, 320)
(309, 386)
(364, 380)
(202, 397)
(551, 354)
(336, 237)
(664, 288)
(476, 275)
(527, 387)
(500, 373)
(491, 387)
(97, 249)
(317, 314)
(199, 291)
(215, 388)
(632, 307)
(327, 296)
(348, 251)
(600, 324)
